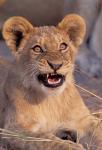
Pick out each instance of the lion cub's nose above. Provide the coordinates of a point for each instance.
(54, 66)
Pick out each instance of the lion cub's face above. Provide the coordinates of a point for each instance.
(45, 54)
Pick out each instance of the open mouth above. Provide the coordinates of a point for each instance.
(51, 80)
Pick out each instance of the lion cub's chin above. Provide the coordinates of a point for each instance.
(53, 91)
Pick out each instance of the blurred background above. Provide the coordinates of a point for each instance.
(49, 12)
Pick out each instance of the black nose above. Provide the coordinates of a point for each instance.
(54, 66)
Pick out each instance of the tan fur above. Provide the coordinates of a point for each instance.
(90, 54)
(33, 107)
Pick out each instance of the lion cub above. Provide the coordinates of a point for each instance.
(38, 94)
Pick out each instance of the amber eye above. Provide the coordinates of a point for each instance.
(63, 47)
(37, 49)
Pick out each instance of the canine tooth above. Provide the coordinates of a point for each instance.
(47, 75)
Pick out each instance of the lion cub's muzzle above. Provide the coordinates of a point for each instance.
(52, 80)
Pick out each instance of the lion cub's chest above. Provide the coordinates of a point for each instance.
(46, 116)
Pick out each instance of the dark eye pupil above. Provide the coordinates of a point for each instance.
(63, 46)
(37, 48)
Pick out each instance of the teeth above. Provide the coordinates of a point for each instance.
(51, 74)
(47, 75)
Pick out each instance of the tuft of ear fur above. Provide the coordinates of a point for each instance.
(75, 27)
(15, 31)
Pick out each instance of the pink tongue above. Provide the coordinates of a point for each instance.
(53, 81)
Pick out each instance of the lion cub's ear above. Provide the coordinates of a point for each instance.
(75, 27)
(15, 30)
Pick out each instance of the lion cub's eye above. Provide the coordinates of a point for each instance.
(37, 49)
(63, 47)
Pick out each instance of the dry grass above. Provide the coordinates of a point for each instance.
(87, 91)
(22, 136)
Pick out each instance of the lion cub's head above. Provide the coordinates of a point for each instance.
(45, 55)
